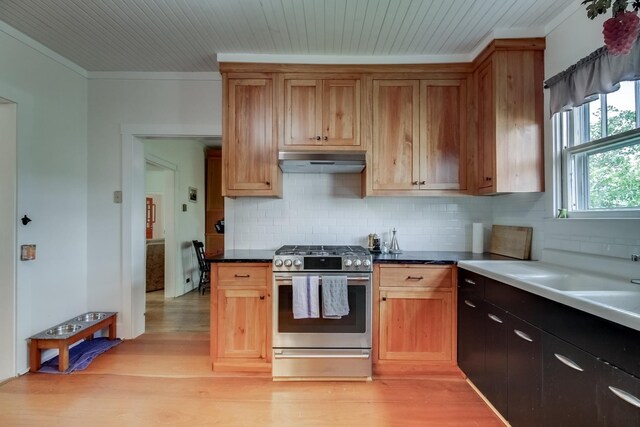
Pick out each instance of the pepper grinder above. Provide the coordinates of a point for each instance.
(395, 247)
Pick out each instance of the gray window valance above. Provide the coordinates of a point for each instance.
(598, 73)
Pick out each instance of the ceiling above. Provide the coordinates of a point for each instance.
(186, 35)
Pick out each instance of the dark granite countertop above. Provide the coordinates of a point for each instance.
(406, 257)
(243, 255)
(433, 257)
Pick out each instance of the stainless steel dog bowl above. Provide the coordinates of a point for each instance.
(90, 317)
(64, 329)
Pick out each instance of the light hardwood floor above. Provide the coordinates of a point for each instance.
(165, 379)
(187, 313)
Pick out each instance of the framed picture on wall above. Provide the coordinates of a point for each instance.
(193, 194)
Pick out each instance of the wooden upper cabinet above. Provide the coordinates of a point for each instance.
(418, 136)
(486, 133)
(510, 119)
(321, 112)
(443, 134)
(250, 140)
(396, 131)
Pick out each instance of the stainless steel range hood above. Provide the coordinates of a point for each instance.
(321, 161)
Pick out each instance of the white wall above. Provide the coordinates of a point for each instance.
(51, 103)
(115, 103)
(7, 239)
(188, 156)
(572, 40)
(327, 209)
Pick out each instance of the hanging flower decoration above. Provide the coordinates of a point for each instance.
(620, 31)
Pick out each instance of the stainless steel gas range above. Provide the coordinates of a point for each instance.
(321, 347)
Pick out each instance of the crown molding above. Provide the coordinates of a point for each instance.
(341, 59)
(153, 75)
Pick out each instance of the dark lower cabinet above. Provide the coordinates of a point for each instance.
(569, 376)
(617, 397)
(531, 375)
(494, 384)
(471, 337)
(524, 374)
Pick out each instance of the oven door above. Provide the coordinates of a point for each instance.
(351, 331)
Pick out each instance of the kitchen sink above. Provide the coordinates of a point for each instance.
(90, 317)
(621, 300)
(65, 329)
(554, 277)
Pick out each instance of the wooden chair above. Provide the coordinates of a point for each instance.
(205, 277)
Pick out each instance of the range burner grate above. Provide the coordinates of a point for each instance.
(321, 250)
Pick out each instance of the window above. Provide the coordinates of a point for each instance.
(600, 145)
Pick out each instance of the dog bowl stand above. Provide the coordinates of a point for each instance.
(42, 340)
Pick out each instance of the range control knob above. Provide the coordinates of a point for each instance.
(358, 263)
(347, 263)
(287, 263)
(278, 263)
(367, 263)
(297, 263)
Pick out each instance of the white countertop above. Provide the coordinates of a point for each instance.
(610, 297)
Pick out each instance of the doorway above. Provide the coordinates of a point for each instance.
(8, 238)
(133, 214)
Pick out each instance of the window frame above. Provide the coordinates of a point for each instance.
(574, 125)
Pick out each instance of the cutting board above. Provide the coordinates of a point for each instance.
(511, 241)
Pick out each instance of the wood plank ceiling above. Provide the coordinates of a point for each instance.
(186, 35)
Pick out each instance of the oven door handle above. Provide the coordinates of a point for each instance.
(333, 354)
(349, 279)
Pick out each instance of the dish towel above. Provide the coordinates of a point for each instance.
(335, 301)
(306, 297)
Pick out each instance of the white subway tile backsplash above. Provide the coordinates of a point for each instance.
(327, 209)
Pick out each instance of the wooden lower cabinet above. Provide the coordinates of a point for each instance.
(414, 319)
(241, 317)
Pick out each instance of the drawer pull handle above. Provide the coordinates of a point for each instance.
(570, 363)
(415, 277)
(469, 303)
(261, 297)
(469, 281)
(627, 397)
(242, 275)
(494, 318)
(523, 335)
(384, 298)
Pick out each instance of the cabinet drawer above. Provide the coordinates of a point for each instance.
(429, 277)
(238, 275)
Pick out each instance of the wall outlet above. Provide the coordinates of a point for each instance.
(635, 257)
(117, 197)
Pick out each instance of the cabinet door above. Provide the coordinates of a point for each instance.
(494, 384)
(242, 323)
(524, 374)
(396, 130)
(415, 325)
(341, 112)
(486, 128)
(618, 397)
(443, 119)
(471, 336)
(569, 377)
(303, 112)
(252, 148)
